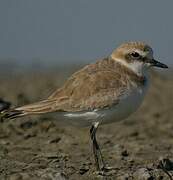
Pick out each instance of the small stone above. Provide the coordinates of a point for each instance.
(29, 135)
(124, 153)
(83, 170)
(165, 163)
(143, 174)
(60, 176)
(134, 134)
(27, 125)
(51, 175)
(55, 140)
(51, 155)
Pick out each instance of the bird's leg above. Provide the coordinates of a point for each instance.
(96, 150)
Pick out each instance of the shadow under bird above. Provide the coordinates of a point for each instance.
(106, 91)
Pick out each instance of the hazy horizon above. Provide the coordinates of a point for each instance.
(81, 31)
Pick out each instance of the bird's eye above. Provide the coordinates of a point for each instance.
(135, 55)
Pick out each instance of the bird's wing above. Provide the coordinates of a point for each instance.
(95, 86)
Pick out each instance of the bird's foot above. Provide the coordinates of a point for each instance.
(105, 170)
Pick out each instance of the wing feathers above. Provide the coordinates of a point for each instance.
(95, 86)
(38, 108)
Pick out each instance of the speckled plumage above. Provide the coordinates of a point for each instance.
(99, 85)
(103, 92)
(95, 86)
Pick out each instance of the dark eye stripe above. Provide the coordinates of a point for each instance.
(135, 54)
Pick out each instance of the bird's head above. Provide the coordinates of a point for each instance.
(137, 56)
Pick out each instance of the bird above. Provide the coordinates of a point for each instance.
(105, 91)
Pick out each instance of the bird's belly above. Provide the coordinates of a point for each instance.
(127, 105)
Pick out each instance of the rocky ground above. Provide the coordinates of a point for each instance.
(42, 148)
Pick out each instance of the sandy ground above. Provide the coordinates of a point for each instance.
(42, 148)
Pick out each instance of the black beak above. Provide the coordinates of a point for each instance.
(155, 63)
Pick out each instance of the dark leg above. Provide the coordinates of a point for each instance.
(96, 150)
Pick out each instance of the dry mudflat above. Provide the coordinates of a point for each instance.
(42, 148)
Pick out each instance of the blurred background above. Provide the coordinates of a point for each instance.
(69, 32)
(42, 42)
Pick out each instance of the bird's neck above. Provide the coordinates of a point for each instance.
(137, 67)
(137, 72)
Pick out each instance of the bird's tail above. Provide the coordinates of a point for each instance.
(10, 114)
(31, 109)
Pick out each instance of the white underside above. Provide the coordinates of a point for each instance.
(128, 104)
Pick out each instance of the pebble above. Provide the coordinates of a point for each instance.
(124, 153)
(165, 163)
(143, 174)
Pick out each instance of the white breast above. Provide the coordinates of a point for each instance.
(128, 104)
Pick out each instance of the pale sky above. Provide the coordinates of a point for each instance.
(83, 30)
